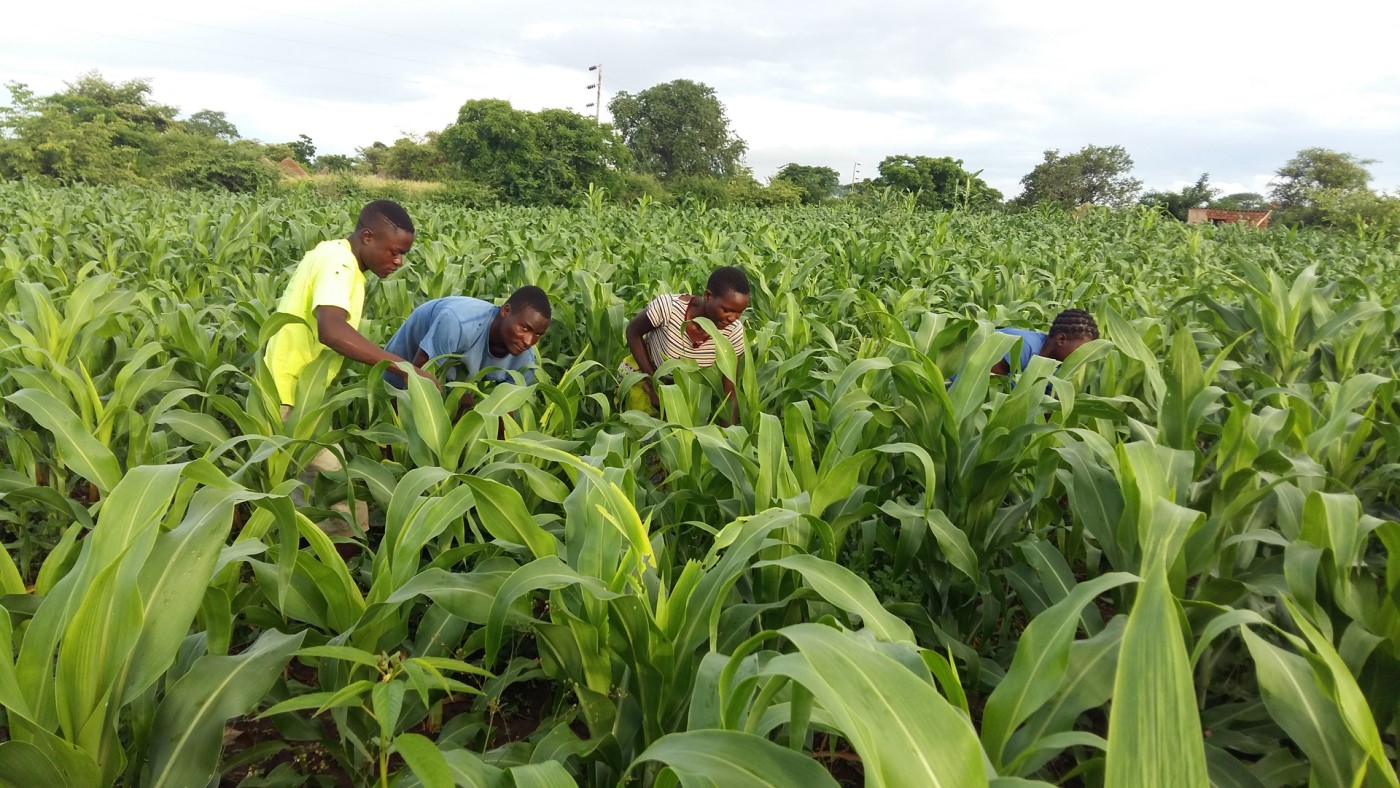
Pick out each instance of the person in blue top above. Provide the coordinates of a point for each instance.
(468, 334)
(1072, 328)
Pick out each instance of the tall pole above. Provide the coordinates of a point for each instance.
(854, 169)
(597, 103)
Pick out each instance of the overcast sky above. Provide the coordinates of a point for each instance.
(1228, 87)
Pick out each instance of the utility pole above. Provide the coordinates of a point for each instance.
(854, 169)
(597, 103)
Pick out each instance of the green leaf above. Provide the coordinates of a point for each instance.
(1154, 732)
(844, 588)
(425, 759)
(904, 731)
(77, 447)
(1040, 664)
(723, 758)
(187, 734)
(503, 514)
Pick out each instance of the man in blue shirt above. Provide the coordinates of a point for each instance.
(1072, 328)
(459, 332)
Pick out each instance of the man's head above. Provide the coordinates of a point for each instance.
(522, 320)
(382, 236)
(1072, 328)
(726, 296)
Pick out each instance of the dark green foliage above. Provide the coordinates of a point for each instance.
(1314, 171)
(817, 183)
(678, 128)
(214, 124)
(409, 158)
(1197, 195)
(1241, 201)
(303, 149)
(940, 183)
(537, 158)
(1094, 176)
(112, 133)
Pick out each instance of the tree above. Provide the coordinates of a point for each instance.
(303, 149)
(678, 128)
(1180, 203)
(1318, 168)
(1241, 201)
(95, 131)
(941, 183)
(210, 123)
(549, 157)
(1095, 175)
(1358, 208)
(816, 183)
(335, 162)
(412, 158)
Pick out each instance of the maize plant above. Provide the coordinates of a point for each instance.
(1170, 559)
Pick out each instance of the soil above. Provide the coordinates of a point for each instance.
(845, 766)
(307, 757)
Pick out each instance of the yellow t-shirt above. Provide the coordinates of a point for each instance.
(328, 275)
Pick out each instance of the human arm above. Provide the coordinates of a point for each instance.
(335, 332)
(637, 329)
(1002, 367)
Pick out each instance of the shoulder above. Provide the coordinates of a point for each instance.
(466, 308)
(334, 252)
(671, 302)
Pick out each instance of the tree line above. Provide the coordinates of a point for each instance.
(669, 143)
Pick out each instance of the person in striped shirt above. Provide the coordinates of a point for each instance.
(666, 329)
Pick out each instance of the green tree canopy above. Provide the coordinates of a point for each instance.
(412, 157)
(941, 183)
(103, 132)
(1312, 169)
(546, 157)
(210, 123)
(816, 183)
(1241, 201)
(303, 149)
(1178, 204)
(678, 128)
(1095, 176)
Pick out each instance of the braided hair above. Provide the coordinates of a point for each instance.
(1075, 324)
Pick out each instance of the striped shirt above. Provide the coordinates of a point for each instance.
(669, 341)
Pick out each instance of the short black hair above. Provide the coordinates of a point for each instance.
(381, 212)
(728, 279)
(1075, 323)
(530, 297)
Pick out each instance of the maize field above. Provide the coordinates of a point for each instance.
(1172, 560)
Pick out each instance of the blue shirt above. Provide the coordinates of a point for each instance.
(1031, 343)
(457, 328)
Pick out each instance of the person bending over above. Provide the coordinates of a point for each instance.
(1072, 328)
(666, 329)
(462, 334)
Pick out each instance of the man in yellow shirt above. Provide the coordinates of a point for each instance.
(327, 290)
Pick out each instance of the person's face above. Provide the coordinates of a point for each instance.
(382, 249)
(725, 309)
(1061, 346)
(521, 329)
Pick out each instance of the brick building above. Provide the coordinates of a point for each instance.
(1258, 219)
